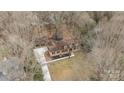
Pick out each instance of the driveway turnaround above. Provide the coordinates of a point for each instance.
(39, 54)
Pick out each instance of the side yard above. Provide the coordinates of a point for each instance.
(74, 68)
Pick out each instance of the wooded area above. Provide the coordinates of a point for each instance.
(101, 37)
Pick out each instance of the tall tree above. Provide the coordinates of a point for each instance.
(108, 49)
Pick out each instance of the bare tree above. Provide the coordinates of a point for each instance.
(108, 49)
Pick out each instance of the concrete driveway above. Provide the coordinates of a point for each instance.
(39, 54)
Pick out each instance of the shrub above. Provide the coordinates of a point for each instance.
(38, 77)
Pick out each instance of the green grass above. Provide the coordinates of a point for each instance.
(74, 68)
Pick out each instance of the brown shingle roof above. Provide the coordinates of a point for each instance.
(58, 45)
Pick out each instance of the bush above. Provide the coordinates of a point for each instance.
(93, 78)
(38, 77)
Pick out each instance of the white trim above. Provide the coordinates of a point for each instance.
(51, 61)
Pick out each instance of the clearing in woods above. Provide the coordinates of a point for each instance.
(74, 68)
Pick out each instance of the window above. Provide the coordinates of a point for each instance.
(58, 51)
(65, 47)
(53, 52)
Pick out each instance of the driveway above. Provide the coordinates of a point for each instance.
(39, 54)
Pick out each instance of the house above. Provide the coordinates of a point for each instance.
(62, 48)
(59, 43)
